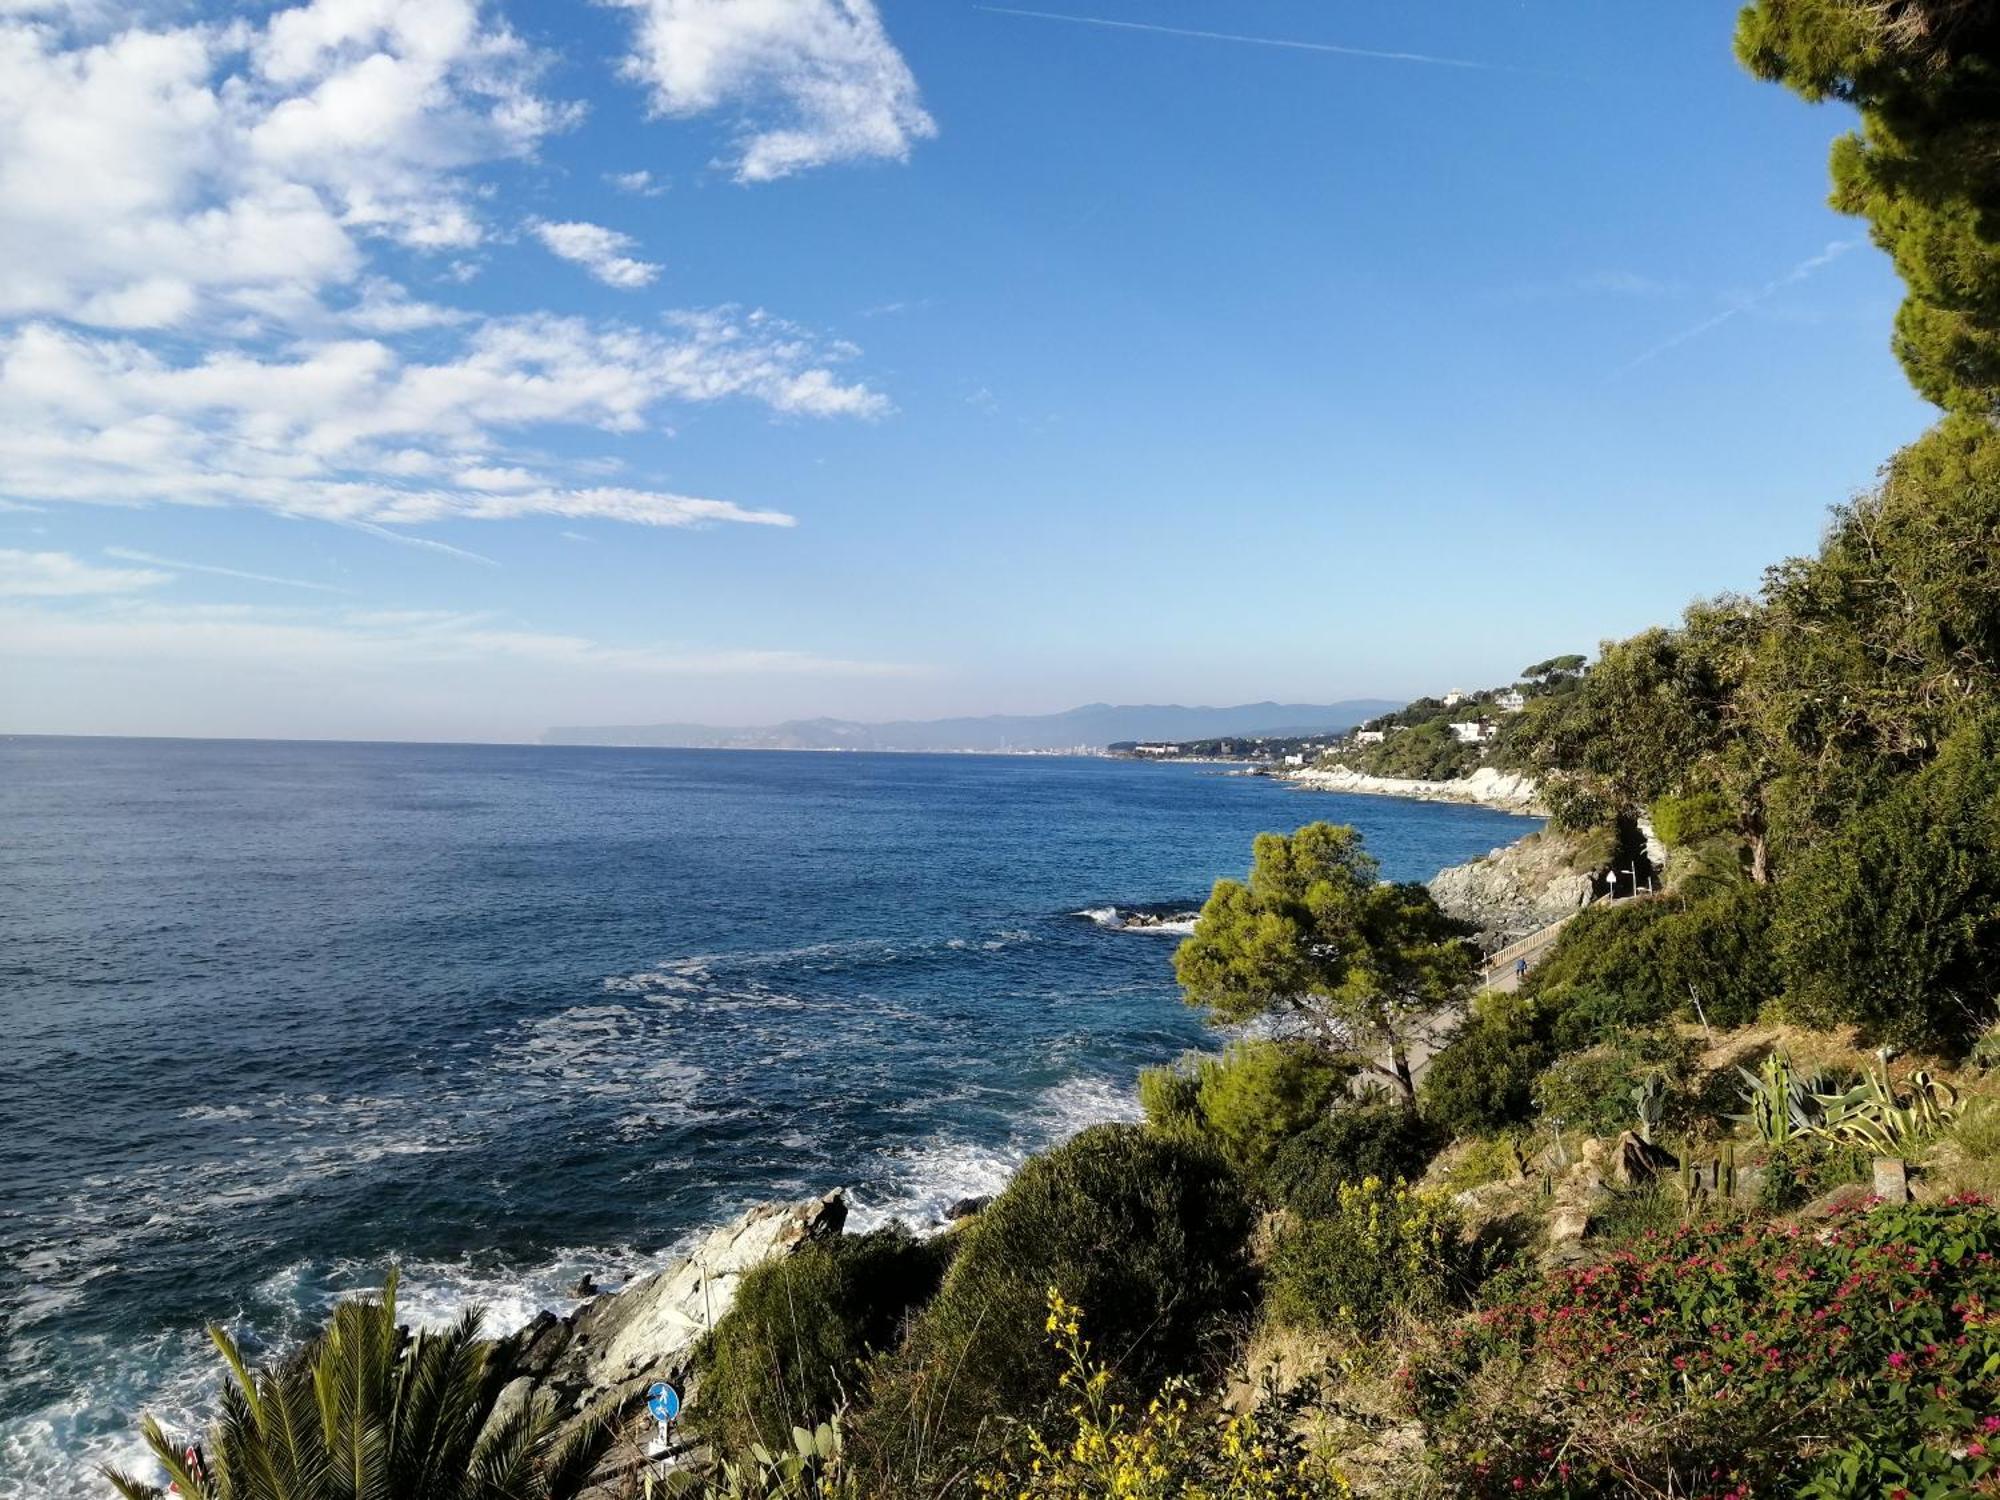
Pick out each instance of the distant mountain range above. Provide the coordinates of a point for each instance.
(1094, 725)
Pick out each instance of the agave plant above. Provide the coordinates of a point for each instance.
(811, 1470)
(369, 1412)
(1871, 1114)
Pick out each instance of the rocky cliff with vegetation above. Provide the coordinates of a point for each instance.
(1524, 887)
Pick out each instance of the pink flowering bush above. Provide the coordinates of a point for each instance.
(1855, 1356)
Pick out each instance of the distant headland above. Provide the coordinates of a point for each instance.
(1089, 728)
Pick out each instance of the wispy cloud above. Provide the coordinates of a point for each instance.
(57, 575)
(1288, 43)
(600, 251)
(1798, 273)
(131, 554)
(207, 635)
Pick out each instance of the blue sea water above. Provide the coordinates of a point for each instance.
(277, 1015)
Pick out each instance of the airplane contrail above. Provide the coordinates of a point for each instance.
(1250, 41)
(1798, 273)
(132, 554)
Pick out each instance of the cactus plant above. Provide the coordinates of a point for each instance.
(1649, 1097)
(1782, 1104)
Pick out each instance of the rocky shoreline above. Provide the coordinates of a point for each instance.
(1504, 791)
(596, 1365)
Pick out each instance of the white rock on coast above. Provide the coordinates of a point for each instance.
(1485, 787)
(598, 1362)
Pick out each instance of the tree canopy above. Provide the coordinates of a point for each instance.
(1317, 935)
(1923, 169)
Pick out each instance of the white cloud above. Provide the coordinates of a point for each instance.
(814, 81)
(641, 183)
(600, 251)
(195, 307)
(351, 430)
(48, 575)
(149, 174)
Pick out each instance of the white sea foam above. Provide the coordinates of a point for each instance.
(931, 1178)
(1112, 919)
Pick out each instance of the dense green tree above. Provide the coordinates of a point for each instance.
(1315, 934)
(1556, 669)
(369, 1412)
(1651, 719)
(1923, 169)
(1245, 1103)
(1892, 919)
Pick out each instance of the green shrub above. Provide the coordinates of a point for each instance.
(787, 1351)
(1693, 819)
(1589, 1016)
(1146, 1231)
(1604, 948)
(1591, 1091)
(1385, 1248)
(1174, 1448)
(1483, 1078)
(1383, 1141)
(1246, 1103)
(1719, 950)
(1170, 1096)
(1892, 919)
(1657, 958)
(1802, 1169)
(1735, 1359)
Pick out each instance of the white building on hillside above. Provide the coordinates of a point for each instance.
(1510, 702)
(1475, 731)
(1368, 736)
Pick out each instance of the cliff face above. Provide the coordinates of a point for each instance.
(1516, 890)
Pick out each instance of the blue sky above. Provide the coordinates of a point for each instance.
(734, 360)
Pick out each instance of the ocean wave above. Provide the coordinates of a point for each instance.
(923, 1182)
(704, 973)
(1170, 921)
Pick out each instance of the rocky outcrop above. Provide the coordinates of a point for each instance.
(1485, 787)
(598, 1361)
(1516, 890)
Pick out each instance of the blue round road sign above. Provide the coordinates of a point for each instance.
(664, 1402)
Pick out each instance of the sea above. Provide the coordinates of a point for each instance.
(277, 1016)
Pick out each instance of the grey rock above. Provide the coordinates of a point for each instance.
(965, 1208)
(1515, 891)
